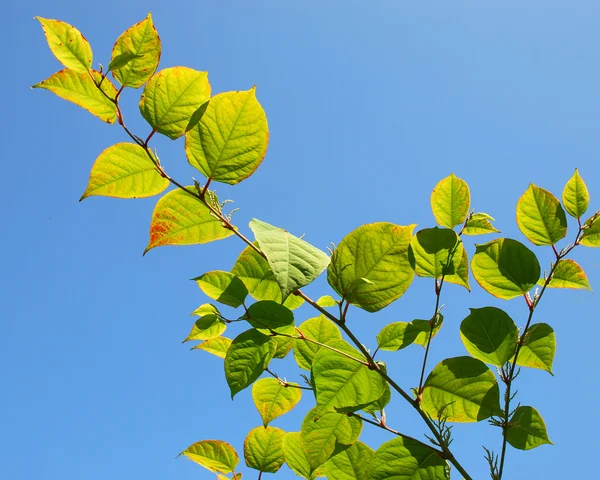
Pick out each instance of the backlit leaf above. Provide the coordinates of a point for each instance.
(80, 89)
(181, 219)
(575, 196)
(461, 270)
(326, 301)
(320, 329)
(539, 347)
(124, 171)
(224, 287)
(172, 100)
(398, 335)
(465, 386)
(121, 60)
(353, 463)
(67, 44)
(294, 262)
(267, 316)
(214, 455)
(272, 399)
(218, 346)
(591, 234)
(505, 268)
(205, 309)
(527, 429)
(284, 346)
(377, 252)
(450, 201)
(206, 327)
(293, 449)
(263, 449)
(540, 216)
(230, 141)
(140, 44)
(379, 404)
(569, 274)
(479, 224)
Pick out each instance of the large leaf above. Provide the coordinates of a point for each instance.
(407, 459)
(172, 100)
(353, 463)
(207, 327)
(224, 287)
(319, 329)
(230, 141)
(142, 43)
(247, 358)
(218, 346)
(464, 389)
(272, 399)
(80, 89)
(538, 348)
(263, 449)
(575, 196)
(490, 335)
(124, 171)
(450, 201)
(259, 279)
(343, 384)
(329, 435)
(268, 316)
(68, 45)
(527, 429)
(505, 268)
(214, 455)
(398, 335)
(370, 267)
(293, 449)
(540, 216)
(294, 262)
(569, 274)
(591, 233)
(181, 219)
(479, 224)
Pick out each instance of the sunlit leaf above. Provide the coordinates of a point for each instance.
(540, 216)
(319, 329)
(218, 346)
(538, 348)
(284, 346)
(527, 429)
(268, 316)
(214, 455)
(272, 399)
(568, 274)
(379, 404)
(224, 287)
(67, 44)
(293, 449)
(206, 309)
(326, 301)
(121, 60)
(450, 201)
(352, 464)
(479, 224)
(575, 196)
(263, 449)
(398, 335)
(206, 327)
(591, 233)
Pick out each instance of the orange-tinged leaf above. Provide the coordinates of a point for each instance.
(67, 44)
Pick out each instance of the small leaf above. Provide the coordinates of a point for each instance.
(464, 387)
(172, 98)
(263, 449)
(398, 335)
(247, 358)
(207, 327)
(479, 224)
(461, 270)
(272, 399)
(568, 274)
(124, 171)
(218, 346)
(490, 335)
(68, 45)
(539, 347)
(230, 141)
(424, 329)
(140, 44)
(326, 301)
(214, 455)
(377, 252)
(505, 268)
(181, 219)
(223, 287)
(352, 464)
(540, 216)
(206, 309)
(591, 234)
(293, 449)
(80, 89)
(575, 196)
(319, 329)
(406, 459)
(450, 201)
(294, 262)
(268, 316)
(527, 429)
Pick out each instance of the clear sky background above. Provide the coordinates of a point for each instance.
(370, 104)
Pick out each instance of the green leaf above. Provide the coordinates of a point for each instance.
(398, 335)
(181, 219)
(293, 450)
(450, 201)
(328, 435)
(461, 270)
(173, 100)
(294, 262)
(575, 196)
(214, 455)
(527, 429)
(490, 335)
(505, 268)
(124, 171)
(319, 329)
(263, 449)
(407, 459)
(258, 277)
(218, 346)
(326, 301)
(80, 89)
(377, 252)
(68, 45)
(230, 141)
(379, 404)
(284, 346)
(141, 45)
(343, 384)
(568, 274)
(247, 358)
(479, 224)
(540, 216)
(206, 309)
(268, 316)
(209, 326)
(591, 234)
(351, 464)
(424, 329)
(464, 387)
(538, 348)
(224, 287)
(272, 399)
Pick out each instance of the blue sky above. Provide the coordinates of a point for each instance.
(369, 105)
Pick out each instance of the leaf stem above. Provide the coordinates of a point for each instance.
(285, 383)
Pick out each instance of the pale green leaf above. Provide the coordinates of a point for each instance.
(268, 316)
(326, 301)
(68, 45)
(479, 224)
(263, 449)
(591, 233)
(206, 309)
(214, 455)
(575, 196)
(121, 60)
(353, 463)
(224, 287)
(398, 335)
(206, 327)
(379, 404)
(284, 346)
(272, 399)
(319, 329)
(218, 346)
(527, 429)
(450, 201)
(568, 274)
(540, 216)
(293, 450)
(538, 348)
